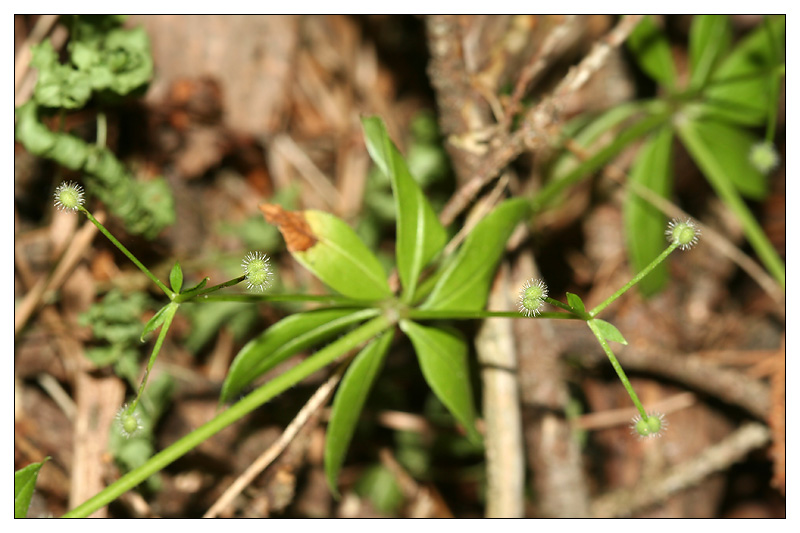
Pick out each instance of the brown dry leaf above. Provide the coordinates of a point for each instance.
(293, 226)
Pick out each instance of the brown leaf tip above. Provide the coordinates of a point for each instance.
(292, 225)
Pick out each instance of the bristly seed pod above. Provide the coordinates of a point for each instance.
(532, 297)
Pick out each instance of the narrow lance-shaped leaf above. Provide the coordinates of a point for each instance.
(348, 403)
(332, 251)
(651, 49)
(420, 236)
(442, 356)
(24, 484)
(711, 161)
(730, 147)
(709, 38)
(739, 88)
(158, 319)
(285, 338)
(465, 282)
(644, 224)
(609, 331)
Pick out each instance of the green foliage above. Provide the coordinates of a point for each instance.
(651, 48)
(285, 338)
(608, 331)
(729, 88)
(116, 319)
(465, 283)
(107, 62)
(644, 224)
(442, 355)
(349, 401)
(420, 236)
(24, 484)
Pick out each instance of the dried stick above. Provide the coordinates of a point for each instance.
(717, 458)
(537, 64)
(317, 400)
(505, 459)
(73, 254)
(533, 132)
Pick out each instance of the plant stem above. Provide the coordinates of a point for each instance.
(636, 279)
(170, 314)
(125, 251)
(442, 314)
(102, 129)
(204, 291)
(617, 367)
(249, 403)
(256, 298)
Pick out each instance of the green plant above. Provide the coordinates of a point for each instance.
(729, 91)
(365, 313)
(106, 63)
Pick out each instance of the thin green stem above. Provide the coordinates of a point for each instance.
(256, 298)
(102, 129)
(207, 290)
(170, 314)
(125, 251)
(428, 314)
(636, 279)
(617, 367)
(249, 403)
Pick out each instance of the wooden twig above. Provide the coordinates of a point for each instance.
(535, 66)
(317, 400)
(717, 458)
(505, 458)
(533, 133)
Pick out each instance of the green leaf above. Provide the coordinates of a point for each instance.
(158, 319)
(650, 47)
(597, 160)
(644, 224)
(24, 483)
(348, 403)
(332, 251)
(465, 283)
(285, 338)
(737, 89)
(709, 39)
(730, 147)
(420, 236)
(609, 331)
(716, 167)
(176, 277)
(576, 303)
(442, 355)
(588, 134)
(33, 135)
